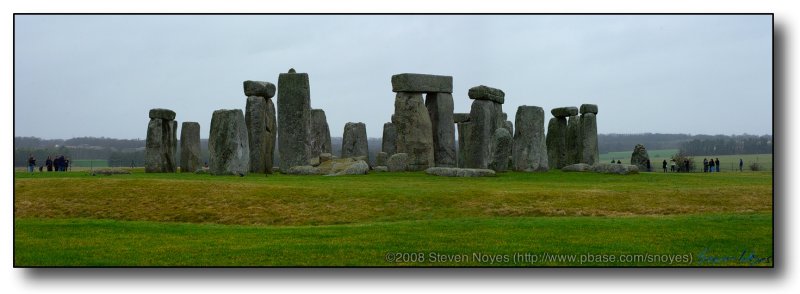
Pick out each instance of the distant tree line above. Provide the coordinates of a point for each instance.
(728, 145)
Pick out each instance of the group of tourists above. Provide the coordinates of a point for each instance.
(676, 167)
(710, 166)
(60, 163)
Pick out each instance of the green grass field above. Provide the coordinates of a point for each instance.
(382, 219)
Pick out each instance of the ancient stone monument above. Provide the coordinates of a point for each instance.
(397, 162)
(190, 146)
(320, 133)
(486, 116)
(354, 140)
(572, 141)
(557, 151)
(530, 148)
(502, 149)
(294, 119)
(412, 121)
(228, 144)
(590, 152)
(388, 141)
(161, 143)
(261, 124)
(440, 109)
(639, 157)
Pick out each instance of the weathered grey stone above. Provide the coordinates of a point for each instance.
(578, 167)
(564, 111)
(573, 140)
(381, 158)
(320, 133)
(397, 162)
(358, 167)
(460, 117)
(421, 83)
(459, 172)
(258, 88)
(483, 117)
(464, 133)
(303, 170)
(504, 116)
(256, 120)
(190, 146)
(414, 130)
(590, 151)
(325, 157)
(228, 145)
(440, 110)
(530, 148)
(509, 126)
(639, 157)
(499, 118)
(621, 169)
(314, 161)
(271, 136)
(154, 145)
(588, 108)
(294, 120)
(380, 168)
(557, 142)
(172, 155)
(388, 141)
(162, 113)
(354, 140)
(501, 145)
(487, 93)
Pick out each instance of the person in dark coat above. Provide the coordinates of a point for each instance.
(711, 165)
(49, 164)
(664, 165)
(741, 164)
(686, 164)
(705, 165)
(718, 164)
(649, 168)
(31, 163)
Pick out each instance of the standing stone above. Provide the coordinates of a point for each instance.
(381, 158)
(388, 142)
(509, 126)
(482, 118)
(639, 157)
(256, 119)
(354, 140)
(502, 145)
(573, 140)
(440, 110)
(530, 149)
(589, 149)
(557, 143)
(271, 136)
(172, 155)
(320, 133)
(414, 130)
(464, 134)
(294, 119)
(154, 145)
(228, 145)
(190, 146)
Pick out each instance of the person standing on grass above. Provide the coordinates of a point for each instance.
(664, 165)
(648, 165)
(705, 164)
(741, 164)
(49, 163)
(66, 164)
(31, 163)
(711, 165)
(672, 165)
(686, 164)
(718, 164)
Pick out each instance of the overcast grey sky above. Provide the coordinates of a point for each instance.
(95, 75)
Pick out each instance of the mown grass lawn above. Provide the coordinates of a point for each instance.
(74, 219)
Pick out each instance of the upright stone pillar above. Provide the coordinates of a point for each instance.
(162, 142)
(530, 149)
(320, 133)
(228, 145)
(294, 119)
(589, 149)
(440, 110)
(190, 146)
(557, 150)
(260, 120)
(464, 135)
(388, 141)
(411, 118)
(502, 145)
(573, 140)
(486, 116)
(354, 141)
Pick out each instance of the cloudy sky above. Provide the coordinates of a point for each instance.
(94, 75)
